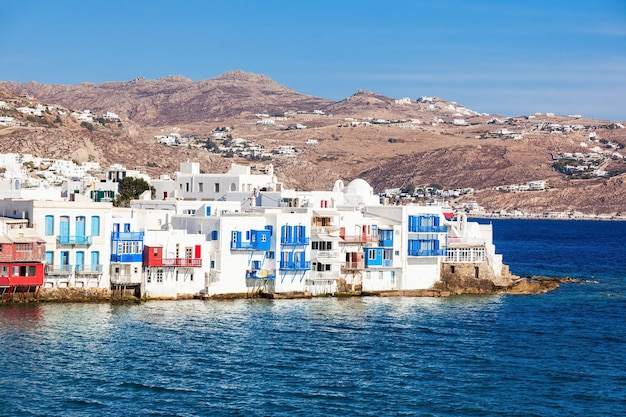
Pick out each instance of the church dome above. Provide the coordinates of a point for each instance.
(358, 186)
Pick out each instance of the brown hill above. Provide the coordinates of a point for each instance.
(391, 143)
(176, 100)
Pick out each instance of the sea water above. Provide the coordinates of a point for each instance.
(557, 354)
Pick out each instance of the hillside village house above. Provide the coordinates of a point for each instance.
(240, 233)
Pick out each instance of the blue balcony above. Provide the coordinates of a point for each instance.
(295, 266)
(127, 236)
(295, 241)
(249, 245)
(427, 252)
(428, 223)
(430, 229)
(74, 240)
(127, 257)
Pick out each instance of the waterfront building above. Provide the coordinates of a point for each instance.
(21, 258)
(76, 233)
(255, 236)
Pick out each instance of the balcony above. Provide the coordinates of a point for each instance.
(295, 241)
(354, 265)
(465, 241)
(125, 279)
(88, 270)
(325, 254)
(184, 262)
(127, 236)
(239, 245)
(20, 281)
(321, 276)
(295, 266)
(249, 245)
(372, 238)
(427, 252)
(74, 240)
(261, 273)
(126, 258)
(58, 269)
(428, 229)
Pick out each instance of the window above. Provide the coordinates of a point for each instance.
(95, 226)
(371, 254)
(126, 227)
(270, 255)
(214, 235)
(187, 186)
(200, 187)
(49, 225)
(159, 275)
(149, 278)
(233, 186)
(216, 187)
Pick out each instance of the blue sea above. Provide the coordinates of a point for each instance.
(557, 354)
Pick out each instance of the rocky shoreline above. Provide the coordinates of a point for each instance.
(531, 285)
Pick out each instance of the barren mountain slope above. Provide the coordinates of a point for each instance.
(176, 100)
(391, 143)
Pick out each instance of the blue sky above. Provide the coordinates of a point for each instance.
(494, 56)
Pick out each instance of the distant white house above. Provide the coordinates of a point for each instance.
(7, 121)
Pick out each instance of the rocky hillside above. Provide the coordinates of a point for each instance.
(392, 143)
(176, 100)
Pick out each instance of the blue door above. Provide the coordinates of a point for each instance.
(64, 230)
(80, 229)
(80, 261)
(65, 261)
(95, 261)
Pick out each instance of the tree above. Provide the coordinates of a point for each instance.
(131, 188)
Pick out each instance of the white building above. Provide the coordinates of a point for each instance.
(77, 236)
(190, 184)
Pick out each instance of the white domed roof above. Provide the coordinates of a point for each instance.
(358, 186)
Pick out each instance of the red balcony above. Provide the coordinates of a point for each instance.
(18, 275)
(153, 256)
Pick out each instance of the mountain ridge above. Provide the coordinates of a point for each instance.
(389, 142)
